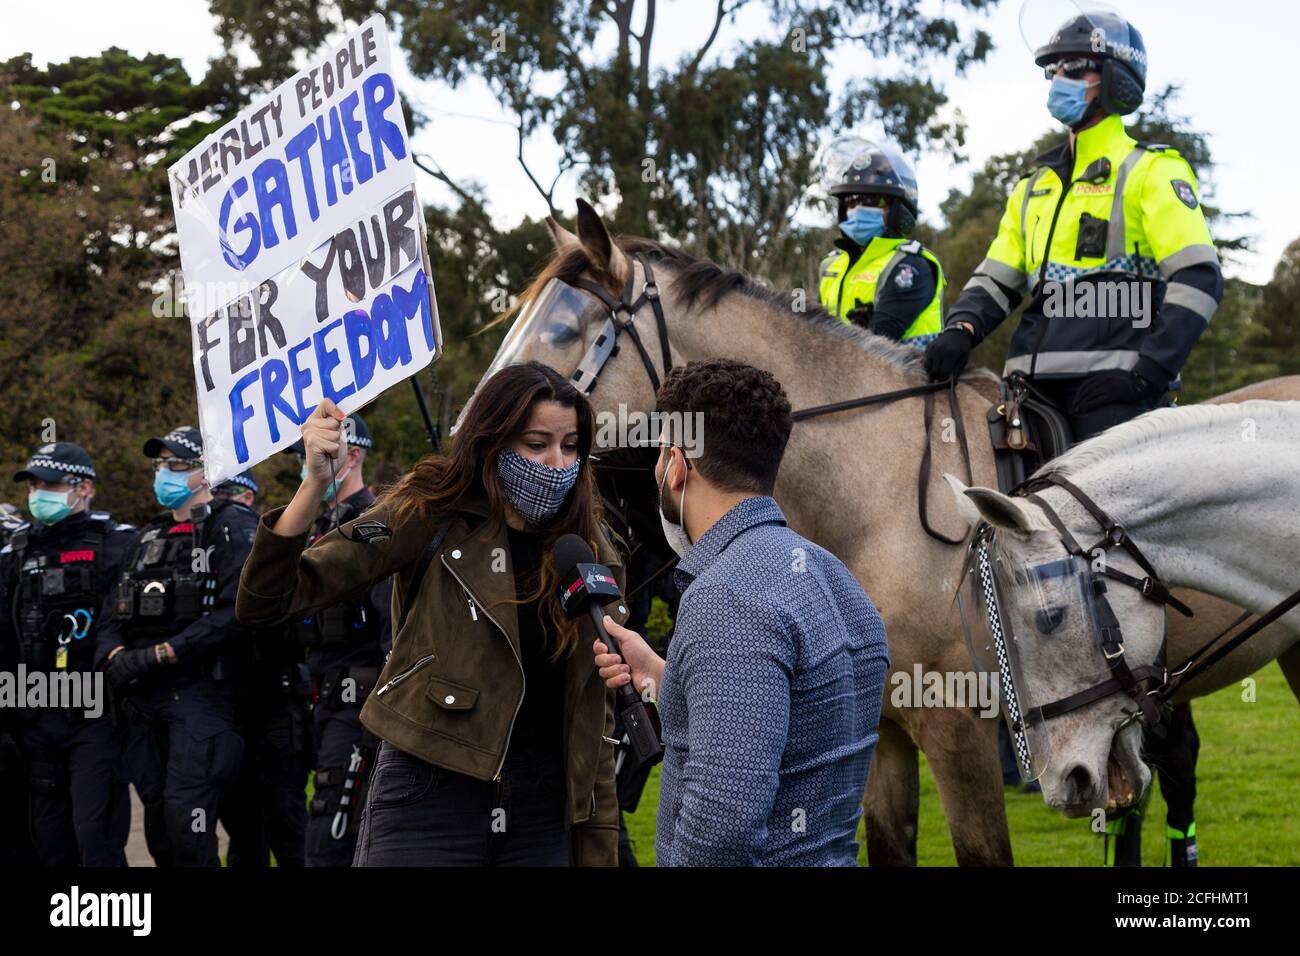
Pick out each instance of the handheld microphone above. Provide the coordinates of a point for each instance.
(586, 586)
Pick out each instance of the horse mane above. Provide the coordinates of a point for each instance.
(698, 281)
(1159, 425)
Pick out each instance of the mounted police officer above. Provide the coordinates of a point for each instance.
(55, 576)
(265, 809)
(347, 645)
(1107, 237)
(1104, 211)
(878, 277)
(166, 648)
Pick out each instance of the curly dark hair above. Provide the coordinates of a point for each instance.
(746, 421)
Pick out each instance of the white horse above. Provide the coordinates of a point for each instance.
(1211, 496)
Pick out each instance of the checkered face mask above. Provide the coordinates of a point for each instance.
(536, 490)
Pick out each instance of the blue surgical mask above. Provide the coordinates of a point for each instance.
(863, 224)
(172, 488)
(536, 490)
(1068, 99)
(49, 507)
(331, 489)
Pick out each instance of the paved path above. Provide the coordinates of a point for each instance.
(137, 854)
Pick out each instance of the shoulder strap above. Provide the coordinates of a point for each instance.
(417, 576)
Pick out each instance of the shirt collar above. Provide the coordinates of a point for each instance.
(1106, 138)
(760, 509)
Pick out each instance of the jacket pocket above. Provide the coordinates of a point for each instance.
(451, 696)
(397, 679)
(400, 779)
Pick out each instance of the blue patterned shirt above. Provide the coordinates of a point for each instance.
(770, 700)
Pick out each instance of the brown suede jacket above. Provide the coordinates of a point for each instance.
(454, 682)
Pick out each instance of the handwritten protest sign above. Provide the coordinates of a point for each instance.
(303, 249)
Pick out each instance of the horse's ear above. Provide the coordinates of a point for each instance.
(965, 507)
(999, 510)
(600, 248)
(562, 238)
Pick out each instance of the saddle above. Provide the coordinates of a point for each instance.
(1027, 431)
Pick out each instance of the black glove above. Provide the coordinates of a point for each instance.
(861, 313)
(946, 356)
(1112, 387)
(128, 665)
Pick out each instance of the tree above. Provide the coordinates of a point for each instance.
(632, 131)
(1278, 313)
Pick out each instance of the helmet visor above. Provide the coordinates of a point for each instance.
(852, 165)
(1055, 30)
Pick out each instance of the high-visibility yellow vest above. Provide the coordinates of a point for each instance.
(844, 286)
(1151, 225)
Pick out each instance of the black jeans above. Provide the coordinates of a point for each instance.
(421, 815)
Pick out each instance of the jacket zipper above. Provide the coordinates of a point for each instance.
(1042, 272)
(405, 674)
(518, 660)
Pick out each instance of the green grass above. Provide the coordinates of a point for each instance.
(1248, 778)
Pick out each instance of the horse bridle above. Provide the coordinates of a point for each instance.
(1143, 684)
(622, 318)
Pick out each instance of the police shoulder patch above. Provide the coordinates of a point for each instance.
(904, 276)
(1186, 195)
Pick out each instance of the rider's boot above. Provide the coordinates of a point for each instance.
(1182, 845)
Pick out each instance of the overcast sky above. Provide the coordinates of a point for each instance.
(1232, 67)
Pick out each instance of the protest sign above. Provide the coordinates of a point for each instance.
(303, 249)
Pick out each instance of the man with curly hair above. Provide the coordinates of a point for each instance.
(770, 696)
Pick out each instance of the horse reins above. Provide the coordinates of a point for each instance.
(623, 319)
(1133, 681)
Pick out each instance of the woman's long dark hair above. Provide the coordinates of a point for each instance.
(499, 410)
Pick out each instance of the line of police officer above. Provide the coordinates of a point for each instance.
(208, 720)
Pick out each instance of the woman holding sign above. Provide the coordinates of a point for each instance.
(494, 720)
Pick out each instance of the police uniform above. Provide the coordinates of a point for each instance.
(1110, 210)
(895, 283)
(348, 644)
(877, 276)
(178, 586)
(54, 580)
(346, 649)
(265, 809)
